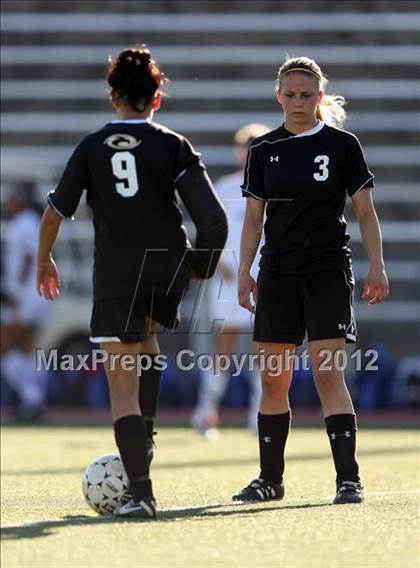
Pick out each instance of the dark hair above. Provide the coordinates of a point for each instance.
(134, 77)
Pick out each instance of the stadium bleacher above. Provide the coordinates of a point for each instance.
(222, 57)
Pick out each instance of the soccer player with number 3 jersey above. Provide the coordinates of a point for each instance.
(298, 177)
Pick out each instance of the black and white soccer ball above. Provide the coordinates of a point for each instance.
(105, 484)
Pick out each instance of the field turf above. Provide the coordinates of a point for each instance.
(45, 521)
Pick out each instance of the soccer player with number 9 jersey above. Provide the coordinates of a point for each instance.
(131, 169)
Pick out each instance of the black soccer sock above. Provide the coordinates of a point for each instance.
(341, 429)
(130, 436)
(273, 430)
(149, 389)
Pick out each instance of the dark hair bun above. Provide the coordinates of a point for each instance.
(135, 57)
(134, 75)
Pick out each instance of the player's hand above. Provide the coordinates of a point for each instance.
(376, 286)
(48, 280)
(246, 287)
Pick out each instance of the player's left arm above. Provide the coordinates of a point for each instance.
(376, 287)
(48, 279)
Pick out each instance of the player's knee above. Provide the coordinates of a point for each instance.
(274, 387)
(328, 381)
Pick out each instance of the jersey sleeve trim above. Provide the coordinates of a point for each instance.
(179, 176)
(51, 204)
(105, 339)
(365, 186)
(247, 181)
(247, 193)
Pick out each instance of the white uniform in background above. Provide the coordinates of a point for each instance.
(225, 310)
(18, 368)
(21, 241)
(224, 294)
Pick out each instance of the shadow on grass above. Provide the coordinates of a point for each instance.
(47, 528)
(226, 462)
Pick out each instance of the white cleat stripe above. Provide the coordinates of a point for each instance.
(148, 509)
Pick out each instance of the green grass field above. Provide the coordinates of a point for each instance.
(46, 522)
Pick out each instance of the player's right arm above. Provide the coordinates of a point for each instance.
(48, 280)
(62, 203)
(250, 240)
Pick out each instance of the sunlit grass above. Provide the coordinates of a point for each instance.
(47, 523)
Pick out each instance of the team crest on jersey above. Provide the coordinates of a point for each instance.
(122, 142)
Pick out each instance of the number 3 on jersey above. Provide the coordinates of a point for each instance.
(323, 172)
(124, 168)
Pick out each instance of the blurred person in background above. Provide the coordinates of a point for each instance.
(130, 169)
(23, 311)
(232, 321)
(299, 176)
(406, 385)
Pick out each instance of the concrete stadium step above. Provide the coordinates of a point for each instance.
(219, 55)
(187, 71)
(212, 21)
(378, 91)
(361, 121)
(191, 104)
(308, 37)
(207, 6)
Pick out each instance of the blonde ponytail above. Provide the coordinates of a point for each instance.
(330, 110)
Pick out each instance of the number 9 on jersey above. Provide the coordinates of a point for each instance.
(124, 168)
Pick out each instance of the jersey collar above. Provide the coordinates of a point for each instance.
(317, 128)
(131, 121)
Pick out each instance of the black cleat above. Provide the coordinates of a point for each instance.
(143, 509)
(349, 492)
(260, 490)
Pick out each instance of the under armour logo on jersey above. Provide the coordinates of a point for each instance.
(122, 142)
(342, 326)
(274, 158)
(266, 439)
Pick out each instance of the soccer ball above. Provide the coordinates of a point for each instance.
(105, 484)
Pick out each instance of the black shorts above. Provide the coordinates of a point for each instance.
(319, 303)
(126, 320)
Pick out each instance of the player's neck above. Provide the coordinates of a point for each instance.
(295, 128)
(127, 114)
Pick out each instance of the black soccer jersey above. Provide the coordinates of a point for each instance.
(130, 170)
(305, 179)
